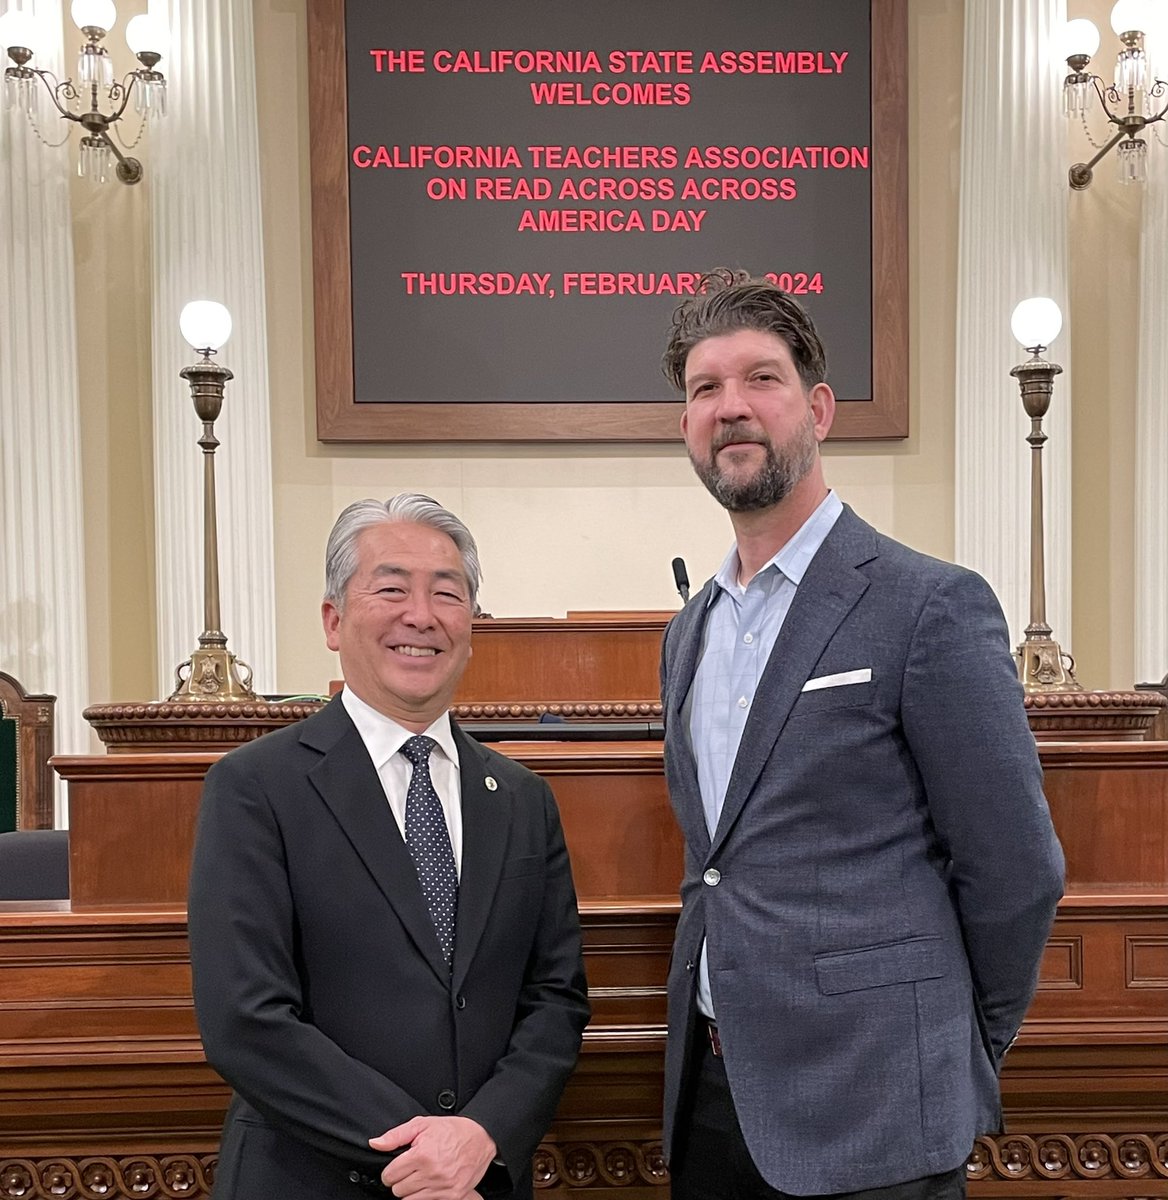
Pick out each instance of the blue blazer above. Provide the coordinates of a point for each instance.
(885, 873)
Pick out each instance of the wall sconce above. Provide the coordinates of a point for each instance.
(82, 102)
(1042, 664)
(214, 672)
(1131, 103)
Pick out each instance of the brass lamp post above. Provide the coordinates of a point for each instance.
(214, 672)
(1043, 666)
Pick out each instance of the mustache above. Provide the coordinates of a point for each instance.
(738, 432)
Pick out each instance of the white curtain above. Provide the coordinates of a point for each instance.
(1013, 244)
(1151, 549)
(42, 564)
(208, 245)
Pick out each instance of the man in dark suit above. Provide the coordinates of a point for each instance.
(384, 935)
(871, 872)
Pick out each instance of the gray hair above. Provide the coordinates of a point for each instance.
(340, 556)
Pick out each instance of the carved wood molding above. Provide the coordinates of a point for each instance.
(177, 725)
(533, 710)
(600, 1164)
(1064, 1161)
(175, 1176)
(1092, 716)
(1139, 1157)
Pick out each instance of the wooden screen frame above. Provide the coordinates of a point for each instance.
(339, 418)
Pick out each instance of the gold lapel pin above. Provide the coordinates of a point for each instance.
(490, 782)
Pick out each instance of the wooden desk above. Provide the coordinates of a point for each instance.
(103, 1083)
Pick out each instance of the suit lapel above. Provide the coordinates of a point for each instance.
(486, 828)
(829, 591)
(348, 783)
(683, 778)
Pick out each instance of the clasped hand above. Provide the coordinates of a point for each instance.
(447, 1156)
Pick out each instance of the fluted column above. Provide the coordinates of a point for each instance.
(42, 611)
(1151, 500)
(208, 246)
(1013, 244)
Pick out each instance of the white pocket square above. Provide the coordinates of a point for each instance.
(863, 675)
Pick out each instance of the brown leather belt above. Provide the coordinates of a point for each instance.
(715, 1040)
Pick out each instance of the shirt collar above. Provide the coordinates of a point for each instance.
(384, 737)
(792, 559)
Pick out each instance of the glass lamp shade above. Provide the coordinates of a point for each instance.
(99, 14)
(147, 34)
(1036, 322)
(1078, 37)
(18, 29)
(1130, 15)
(205, 324)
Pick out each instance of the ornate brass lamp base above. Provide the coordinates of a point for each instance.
(213, 675)
(1043, 665)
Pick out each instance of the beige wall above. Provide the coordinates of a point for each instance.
(564, 527)
(1104, 235)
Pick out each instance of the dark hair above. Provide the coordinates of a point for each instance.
(728, 301)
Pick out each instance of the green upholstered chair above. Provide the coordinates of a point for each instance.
(26, 745)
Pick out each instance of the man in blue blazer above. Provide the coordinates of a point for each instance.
(871, 872)
(384, 934)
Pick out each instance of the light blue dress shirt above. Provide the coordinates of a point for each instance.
(741, 627)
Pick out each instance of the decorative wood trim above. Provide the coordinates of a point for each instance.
(1095, 756)
(1146, 961)
(1059, 1157)
(531, 711)
(1070, 1164)
(340, 419)
(179, 1176)
(1062, 964)
(600, 1165)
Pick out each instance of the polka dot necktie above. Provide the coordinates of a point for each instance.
(429, 843)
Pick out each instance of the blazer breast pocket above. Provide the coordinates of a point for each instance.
(527, 864)
(837, 696)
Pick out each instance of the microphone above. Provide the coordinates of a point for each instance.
(681, 579)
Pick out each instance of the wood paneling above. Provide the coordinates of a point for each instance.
(1109, 801)
(132, 826)
(101, 1067)
(596, 663)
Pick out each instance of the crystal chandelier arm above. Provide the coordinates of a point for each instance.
(56, 89)
(1089, 165)
(129, 169)
(122, 91)
(1108, 96)
(1158, 89)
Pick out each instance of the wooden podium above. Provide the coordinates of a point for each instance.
(104, 1091)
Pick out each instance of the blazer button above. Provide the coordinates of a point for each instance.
(446, 1100)
(460, 1001)
(354, 1176)
(712, 877)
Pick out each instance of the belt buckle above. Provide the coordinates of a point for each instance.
(715, 1040)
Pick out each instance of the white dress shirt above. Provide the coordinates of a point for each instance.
(739, 635)
(384, 739)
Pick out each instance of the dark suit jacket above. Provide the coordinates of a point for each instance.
(885, 872)
(321, 992)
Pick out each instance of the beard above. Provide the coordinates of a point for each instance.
(772, 481)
